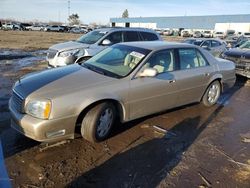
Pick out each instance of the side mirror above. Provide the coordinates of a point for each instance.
(148, 72)
(106, 42)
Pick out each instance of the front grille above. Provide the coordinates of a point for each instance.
(17, 101)
(51, 54)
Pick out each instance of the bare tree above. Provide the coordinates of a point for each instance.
(74, 19)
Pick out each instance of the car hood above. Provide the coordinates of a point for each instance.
(70, 45)
(237, 53)
(59, 81)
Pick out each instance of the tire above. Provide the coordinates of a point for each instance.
(212, 94)
(92, 128)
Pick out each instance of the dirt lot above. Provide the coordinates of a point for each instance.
(192, 146)
(33, 40)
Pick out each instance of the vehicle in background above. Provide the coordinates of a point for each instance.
(56, 28)
(219, 34)
(197, 34)
(215, 46)
(11, 26)
(185, 33)
(168, 32)
(159, 31)
(229, 33)
(241, 57)
(78, 30)
(231, 41)
(36, 28)
(25, 26)
(207, 34)
(240, 41)
(122, 83)
(246, 34)
(95, 41)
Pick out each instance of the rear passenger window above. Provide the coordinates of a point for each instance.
(191, 58)
(215, 43)
(115, 37)
(201, 59)
(148, 36)
(206, 43)
(131, 36)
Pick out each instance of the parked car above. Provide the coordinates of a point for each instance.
(159, 31)
(215, 46)
(123, 82)
(241, 57)
(36, 28)
(207, 34)
(231, 41)
(56, 28)
(197, 34)
(93, 42)
(11, 26)
(168, 32)
(185, 33)
(25, 26)
(219, 34)
(78, 30)
(246, 34)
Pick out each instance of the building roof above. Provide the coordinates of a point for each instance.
(191, 22)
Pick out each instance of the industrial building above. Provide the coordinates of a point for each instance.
(236, 22)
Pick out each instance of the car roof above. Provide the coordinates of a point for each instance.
(107, 29)
(205, 39)
(157, 45)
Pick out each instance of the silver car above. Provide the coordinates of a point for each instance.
(215, 46)
(90, 44)
(123, 82)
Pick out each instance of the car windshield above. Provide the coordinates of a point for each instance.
(245, 45)
(92, 37)
(116, 61)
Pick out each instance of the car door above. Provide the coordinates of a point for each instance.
(149, 95)
(193, 76)
(217, 48)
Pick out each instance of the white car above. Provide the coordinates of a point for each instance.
(56, 28)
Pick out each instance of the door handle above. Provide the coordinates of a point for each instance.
(171, 81)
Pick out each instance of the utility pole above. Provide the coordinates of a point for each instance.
(68, 8)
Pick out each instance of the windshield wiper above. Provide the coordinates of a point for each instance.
(101, 71)
(93, 68)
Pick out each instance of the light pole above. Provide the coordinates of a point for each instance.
(68, 8)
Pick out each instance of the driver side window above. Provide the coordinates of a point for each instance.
(162, 61)
(115, 37)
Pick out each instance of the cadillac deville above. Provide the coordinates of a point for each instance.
(121, 83)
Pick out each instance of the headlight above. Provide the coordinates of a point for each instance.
(40, 109)
(69, 53)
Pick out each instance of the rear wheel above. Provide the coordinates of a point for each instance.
(98, 121)
(212, 94)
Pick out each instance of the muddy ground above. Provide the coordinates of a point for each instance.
(191, 146)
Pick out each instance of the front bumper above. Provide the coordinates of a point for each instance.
(60, 61)
(42, 130)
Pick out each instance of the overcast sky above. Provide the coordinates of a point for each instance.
(99, 11)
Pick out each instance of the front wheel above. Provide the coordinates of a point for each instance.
(212, 94)
(97, 123)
